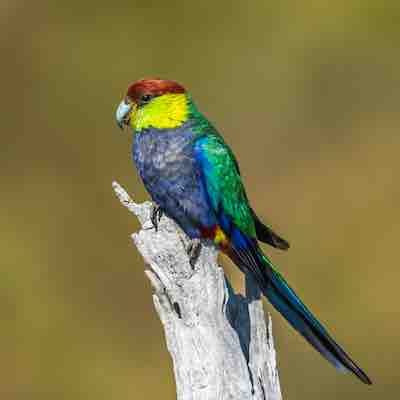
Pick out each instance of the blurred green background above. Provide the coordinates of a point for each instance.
(306, 93)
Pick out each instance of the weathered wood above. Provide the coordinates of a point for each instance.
(218, 340)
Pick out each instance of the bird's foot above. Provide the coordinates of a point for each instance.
(193, 251)
(155, 216)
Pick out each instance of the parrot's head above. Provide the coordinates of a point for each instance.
(153, 103)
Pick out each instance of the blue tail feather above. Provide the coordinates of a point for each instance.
(248, 256)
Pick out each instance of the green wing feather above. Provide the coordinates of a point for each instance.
(223, 182)
(225, 188)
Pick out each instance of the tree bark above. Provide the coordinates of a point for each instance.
(219, 342)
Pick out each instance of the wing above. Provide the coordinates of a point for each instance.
(224, 185)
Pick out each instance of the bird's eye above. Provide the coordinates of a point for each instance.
(146, 98)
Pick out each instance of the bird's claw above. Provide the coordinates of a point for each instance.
(193, 251)
(155, 216)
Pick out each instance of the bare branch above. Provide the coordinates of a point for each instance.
(218, 340)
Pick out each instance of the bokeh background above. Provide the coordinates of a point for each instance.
(306, 92)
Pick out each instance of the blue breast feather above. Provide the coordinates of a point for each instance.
(167, 165)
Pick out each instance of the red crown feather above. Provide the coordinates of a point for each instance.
(153, 87)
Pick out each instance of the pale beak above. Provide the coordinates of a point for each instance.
(123, 114)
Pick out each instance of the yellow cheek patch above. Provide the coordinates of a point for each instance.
(163, 112)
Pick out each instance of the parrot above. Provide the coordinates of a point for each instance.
(193, 177)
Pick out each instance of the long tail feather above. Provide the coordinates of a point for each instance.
(285, 300)
(247, 255)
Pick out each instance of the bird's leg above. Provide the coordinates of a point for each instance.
(193, 251)
(155, 216)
